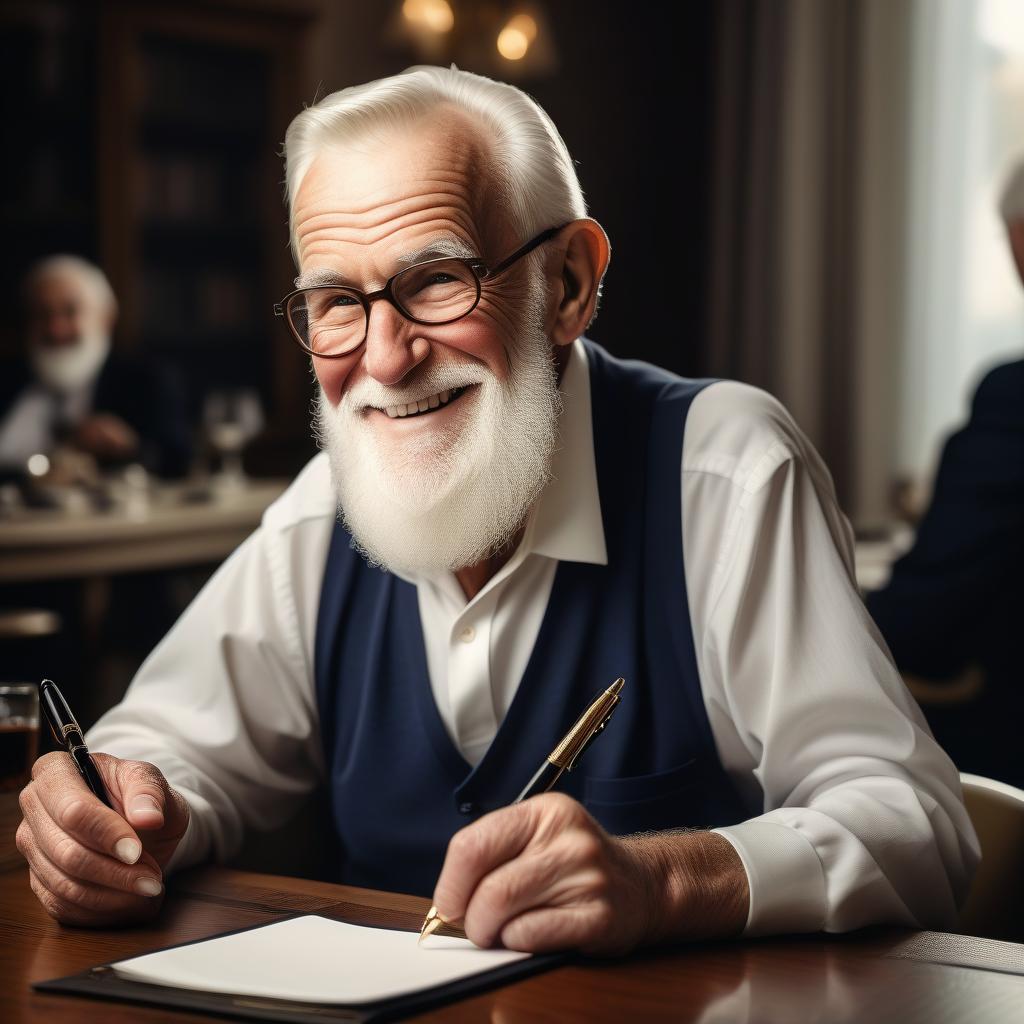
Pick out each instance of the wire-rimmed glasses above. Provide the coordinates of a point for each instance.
(331, 321)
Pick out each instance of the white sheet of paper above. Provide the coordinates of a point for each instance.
(316, 959)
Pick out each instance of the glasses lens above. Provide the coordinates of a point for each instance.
(329, 321)
(437, 291)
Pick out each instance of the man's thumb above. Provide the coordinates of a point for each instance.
(143, 794)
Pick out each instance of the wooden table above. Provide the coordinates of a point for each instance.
(41, 544)
(878, 976)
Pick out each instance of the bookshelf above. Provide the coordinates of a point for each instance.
(151, 139)
(48, 183)
(195, 100)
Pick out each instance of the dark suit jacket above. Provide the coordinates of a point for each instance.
(146, 395)
(957, 597)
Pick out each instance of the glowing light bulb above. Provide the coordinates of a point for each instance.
(435, 15)
(512, 43)
(525, 24)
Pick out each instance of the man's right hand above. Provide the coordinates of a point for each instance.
(88, 864)
(106, 437)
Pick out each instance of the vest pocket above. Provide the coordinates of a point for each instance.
(679, 797)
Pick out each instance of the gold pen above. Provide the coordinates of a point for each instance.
(562, 759)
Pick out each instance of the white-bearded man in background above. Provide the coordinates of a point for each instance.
(73, 392)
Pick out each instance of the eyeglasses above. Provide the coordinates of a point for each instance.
(331, 321)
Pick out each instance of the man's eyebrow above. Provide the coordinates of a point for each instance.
(443, 245)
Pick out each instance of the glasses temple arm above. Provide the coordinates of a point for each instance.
(523, 250)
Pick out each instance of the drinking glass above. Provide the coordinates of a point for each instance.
(19, 733)
(232, 418)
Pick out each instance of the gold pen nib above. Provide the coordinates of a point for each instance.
(436, 922)
(616, 687)
(432, 922)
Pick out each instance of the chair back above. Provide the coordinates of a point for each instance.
(995, 904)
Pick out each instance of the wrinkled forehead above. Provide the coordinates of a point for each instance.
(439, 170)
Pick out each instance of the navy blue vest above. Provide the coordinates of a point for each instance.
(399, 789)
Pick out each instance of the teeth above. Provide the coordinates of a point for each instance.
(431, 402)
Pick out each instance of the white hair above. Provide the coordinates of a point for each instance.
(535, 175)
(66, 265)
(1011, 203)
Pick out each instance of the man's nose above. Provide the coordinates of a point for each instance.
(394, 345)
(57, 330)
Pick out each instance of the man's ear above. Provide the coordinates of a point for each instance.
(108, 316)
(583, 252)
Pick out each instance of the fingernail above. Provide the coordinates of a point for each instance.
(128, 850)
(147, 886)
(144, 803)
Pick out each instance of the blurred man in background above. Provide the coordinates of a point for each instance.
(953, 608)
(73, 392)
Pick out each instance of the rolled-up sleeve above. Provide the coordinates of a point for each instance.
(863, 820)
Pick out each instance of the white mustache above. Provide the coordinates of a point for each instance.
(445, 377)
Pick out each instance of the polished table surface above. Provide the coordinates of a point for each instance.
(877, 976)
(172, 528)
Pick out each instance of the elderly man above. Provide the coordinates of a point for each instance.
(517, 507)
(73, 391)
(955, 600)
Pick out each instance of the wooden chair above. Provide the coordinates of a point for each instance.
(995, 903)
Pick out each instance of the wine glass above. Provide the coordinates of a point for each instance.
(232, 418)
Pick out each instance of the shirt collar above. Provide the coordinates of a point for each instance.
(566, 522)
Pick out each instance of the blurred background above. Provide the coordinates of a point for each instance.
(801, 194)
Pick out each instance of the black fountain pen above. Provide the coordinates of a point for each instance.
(562, 759)
(68, 733)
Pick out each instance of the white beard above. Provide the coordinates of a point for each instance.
(449, 496)
(69, 368)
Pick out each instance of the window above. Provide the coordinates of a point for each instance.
(964, 308)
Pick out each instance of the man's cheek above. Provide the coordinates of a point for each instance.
(480, 338)
(332, 375)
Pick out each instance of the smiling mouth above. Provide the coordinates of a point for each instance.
(424, 406)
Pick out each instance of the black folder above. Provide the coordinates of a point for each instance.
(104, 982)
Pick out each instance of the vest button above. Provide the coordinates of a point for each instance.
(467, 635)
(467, 808)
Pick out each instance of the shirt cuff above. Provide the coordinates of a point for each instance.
(785, 876)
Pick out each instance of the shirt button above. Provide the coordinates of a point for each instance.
(467, 808)
(467, 635)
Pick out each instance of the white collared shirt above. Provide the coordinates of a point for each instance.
(31, 423)
(862, 815)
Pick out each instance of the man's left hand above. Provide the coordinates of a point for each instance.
(543, 875)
